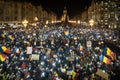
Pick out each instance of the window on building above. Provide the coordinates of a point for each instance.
(101, 20)
(112, 12)
(115, 5)
(7, 12)
(1, 11)
(118, 7)
(2, 18)
(16, 12)
(109, 16)
(16, 18)
(106, 3)
(106, 23)
(7, 18)
(106, 20)
(101, 8)
(102, 3)
(106, 8)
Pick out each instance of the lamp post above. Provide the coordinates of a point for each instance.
(36, 19)
(47, 22)
(91, 22)
(78, 21)
(25, 22)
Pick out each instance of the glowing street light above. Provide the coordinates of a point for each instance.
(52, 22)
(91, 22)
(45, 26)
(35, 19)
(78, 21)
(47, 22)
(25, 22)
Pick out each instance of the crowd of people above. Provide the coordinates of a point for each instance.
(64, 53)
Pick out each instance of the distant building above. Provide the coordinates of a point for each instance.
(105, 12)
(65, 16)
(84, 15)
(19, 11)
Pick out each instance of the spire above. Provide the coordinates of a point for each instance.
(65, 8)
(65, 15)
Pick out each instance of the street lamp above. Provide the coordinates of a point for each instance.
(47, 22)
(78, 21)
(35, 19)
(45, 26)
(52, 22)
(91, 22)
(25, 22)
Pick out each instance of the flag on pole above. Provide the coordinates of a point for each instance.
(3, 57)
(105, 59)
(26, 42)
(80, 47)
(107, 51)
(67, 33)
(11, 37)
(8, 51)
(2, 34)
(16, 50)
(4, 49)
(98, 36)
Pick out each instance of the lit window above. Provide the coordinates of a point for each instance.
(106, 3)
(112, 12)
(106, 8)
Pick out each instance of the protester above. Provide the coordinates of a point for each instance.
(63, 53)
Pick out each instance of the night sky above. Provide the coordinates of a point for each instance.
(74, 7)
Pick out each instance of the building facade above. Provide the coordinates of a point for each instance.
(84, 15)
(65, 16)
(19, 11)
(105, 12)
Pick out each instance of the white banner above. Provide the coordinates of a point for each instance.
(35, 57)
(71, 58)
(29, 50)
(63, 70)
(89, 44)
(69, 72)
(54, 56)
(102, 74)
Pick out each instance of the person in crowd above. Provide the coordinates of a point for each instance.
(63, 53)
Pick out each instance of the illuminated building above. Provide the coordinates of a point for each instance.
(65, 16)
(11, 11)
(105, 12)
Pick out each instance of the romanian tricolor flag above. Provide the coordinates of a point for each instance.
(105, 59)
(98, 35)
(3, 57)
(3, 34)
(67, 33)
(80, 47)
(4, 49)
(11, 37)
(107, 51)
(26, 42)
(8, 51)
(16, 50)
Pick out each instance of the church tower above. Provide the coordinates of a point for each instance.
(65, 16)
